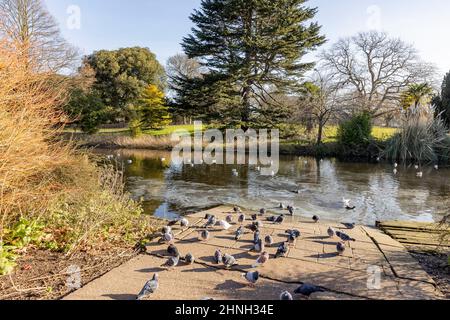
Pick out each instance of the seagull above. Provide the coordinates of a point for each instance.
(349, 225)
(229, 261)
(340, 248)
(316, 219)
(344, 237)
(286, 296)
(225, 225)
(347, 205)
(251, 277)
(204, 235)
(189, 258)
(262, 211)
(269, 241)
(218, 256)
(256, 236)
(331, 232)
(308, 289)
(241, 218)
(149, 288)
(173, 251)
(229, 218)
(262, 259)
(282, 250)
(184, 223)
(171, 263)
(259, 247)
(239, 233)
(280, 219)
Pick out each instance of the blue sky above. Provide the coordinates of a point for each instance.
(161, 24)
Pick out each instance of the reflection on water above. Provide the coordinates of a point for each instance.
(311, 186)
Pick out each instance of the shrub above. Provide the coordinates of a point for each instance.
(356, 132)
(423, 138)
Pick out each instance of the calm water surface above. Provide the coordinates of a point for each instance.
(169, 190)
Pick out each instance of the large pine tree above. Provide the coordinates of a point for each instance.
(253, 50)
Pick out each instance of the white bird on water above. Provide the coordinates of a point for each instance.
(396, 165)
(436, 167)
(416, 167)
(419, 174)
(395, 171)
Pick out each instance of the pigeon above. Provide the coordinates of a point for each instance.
(225, 225)
(251, 277)
(167, 229)
(291, 210)
(204, 235)
(149, 288)
(212, 221)
(262, 211)
(262, 259)
(259, 247)
(184, 223)
(254, 217)
(291, 239)
(256, 236)
(344, 236)
(228, 261)
(241, 218)
(331, 232)
(253, 227)
(172, 262)
(349, 225)
(316, 219)
(340, 248)
(271, 219)
(229, 218)
(189, 258)
(286, 296)
(295, 233)
(173, 251)
(218, 256)
(258, 224)
(308, 289)
(166, 238)
(239, 233)
(237, 210)
(269, 241)
(280, 219)
(282, 250)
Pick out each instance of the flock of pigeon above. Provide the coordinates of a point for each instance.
(259, 245)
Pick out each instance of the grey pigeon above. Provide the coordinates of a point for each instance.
(308, 289)
(331, 232)
(262, 211)
(280, 219)
(173, 251)
(295, 233)
(291, 210)
(253, 227)
(167, 229)
(229, 219)
(204, 235)
(349, 225)
(228, 261)
(256, 236)
(316, 219)
(262, 259)
(272, 218)
(282, 250)
(149, 288)
(189, 258)
(259, 246)
(241, 218)
(251, 277)
(269, 241)
(171, 263)
(291, 239)
(344, 236)
(254, 217)
(166, 238)
(286, 296)
(239, 233)
(218, 256)
(184, 222)
(211, 222)
(340, 248)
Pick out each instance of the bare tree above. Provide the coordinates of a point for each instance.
(36, 35)
(179, 68)
(320, 100)
(374, 69)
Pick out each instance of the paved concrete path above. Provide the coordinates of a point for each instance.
(313, 260)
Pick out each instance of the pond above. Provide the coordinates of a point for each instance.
(312, 186)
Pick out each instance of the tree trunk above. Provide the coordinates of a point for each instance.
(320, 133)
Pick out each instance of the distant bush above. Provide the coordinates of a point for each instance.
(356, 132)
(423, 138)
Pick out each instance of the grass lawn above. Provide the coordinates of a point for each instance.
(379, 133)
